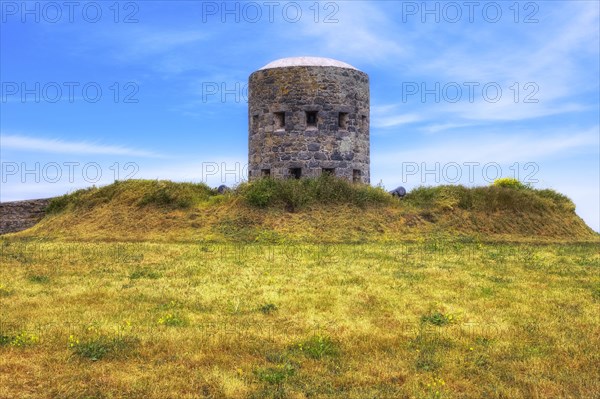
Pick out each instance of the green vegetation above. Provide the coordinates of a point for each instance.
(509, 182)
(317, 347)
(434, 318)
(437, 319)
(295, 194)
(100, 347)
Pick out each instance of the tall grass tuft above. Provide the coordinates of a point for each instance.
(294, 194)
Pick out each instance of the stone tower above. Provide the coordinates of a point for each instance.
(308, 116)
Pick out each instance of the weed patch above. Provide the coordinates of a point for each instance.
(38, 279)
(276, 374)
(268, 308)
(21, 339)
(317, 347)
(100, 347)
(437, 319)
(173, 320)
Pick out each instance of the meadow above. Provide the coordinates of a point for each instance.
(430, 318)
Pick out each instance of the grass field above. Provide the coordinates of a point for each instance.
(426, 319)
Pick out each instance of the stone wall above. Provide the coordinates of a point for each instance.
(20, 215)
(338, 141)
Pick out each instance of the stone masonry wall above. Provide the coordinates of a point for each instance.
(328, 144)
(20, 215)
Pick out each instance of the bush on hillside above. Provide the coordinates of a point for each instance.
(509, 182)
(294, 194)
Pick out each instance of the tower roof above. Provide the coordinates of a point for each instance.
(307, 61)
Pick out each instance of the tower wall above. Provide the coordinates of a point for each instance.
(283, 104)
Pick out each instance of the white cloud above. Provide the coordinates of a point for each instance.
(439, 127)
(32, 144)
(394, 120)
(522, 147)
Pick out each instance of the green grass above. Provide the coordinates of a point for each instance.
(426, 319)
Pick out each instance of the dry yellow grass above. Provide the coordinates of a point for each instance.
(430, 319)
(233, 221)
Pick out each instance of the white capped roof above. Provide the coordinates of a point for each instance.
(306, 61)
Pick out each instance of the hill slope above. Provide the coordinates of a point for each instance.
(321, 210)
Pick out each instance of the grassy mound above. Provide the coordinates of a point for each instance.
(139, 193)
(490, 199)
(325, 209)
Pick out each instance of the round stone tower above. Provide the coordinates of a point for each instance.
(308, 116)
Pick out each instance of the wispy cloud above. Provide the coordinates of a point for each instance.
(361, 34)
(521, 146)
(550, 55)
(33, 144)
(440, 127)
(388, 116)
(394, 120)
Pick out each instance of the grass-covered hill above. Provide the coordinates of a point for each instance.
(309, 210)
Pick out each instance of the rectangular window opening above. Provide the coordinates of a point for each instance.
(311, 118)
(295, 173)
(254, 121)
(328, 171)
(265, 172)
(279, 120)
(356, 175)
(343, 120)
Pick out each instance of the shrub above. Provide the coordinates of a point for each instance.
(509, 182)
(259, 193)
(294, 194)
(58, 204)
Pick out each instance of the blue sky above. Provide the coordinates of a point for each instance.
(461, 92)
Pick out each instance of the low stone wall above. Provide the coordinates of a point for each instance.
(20, 215)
